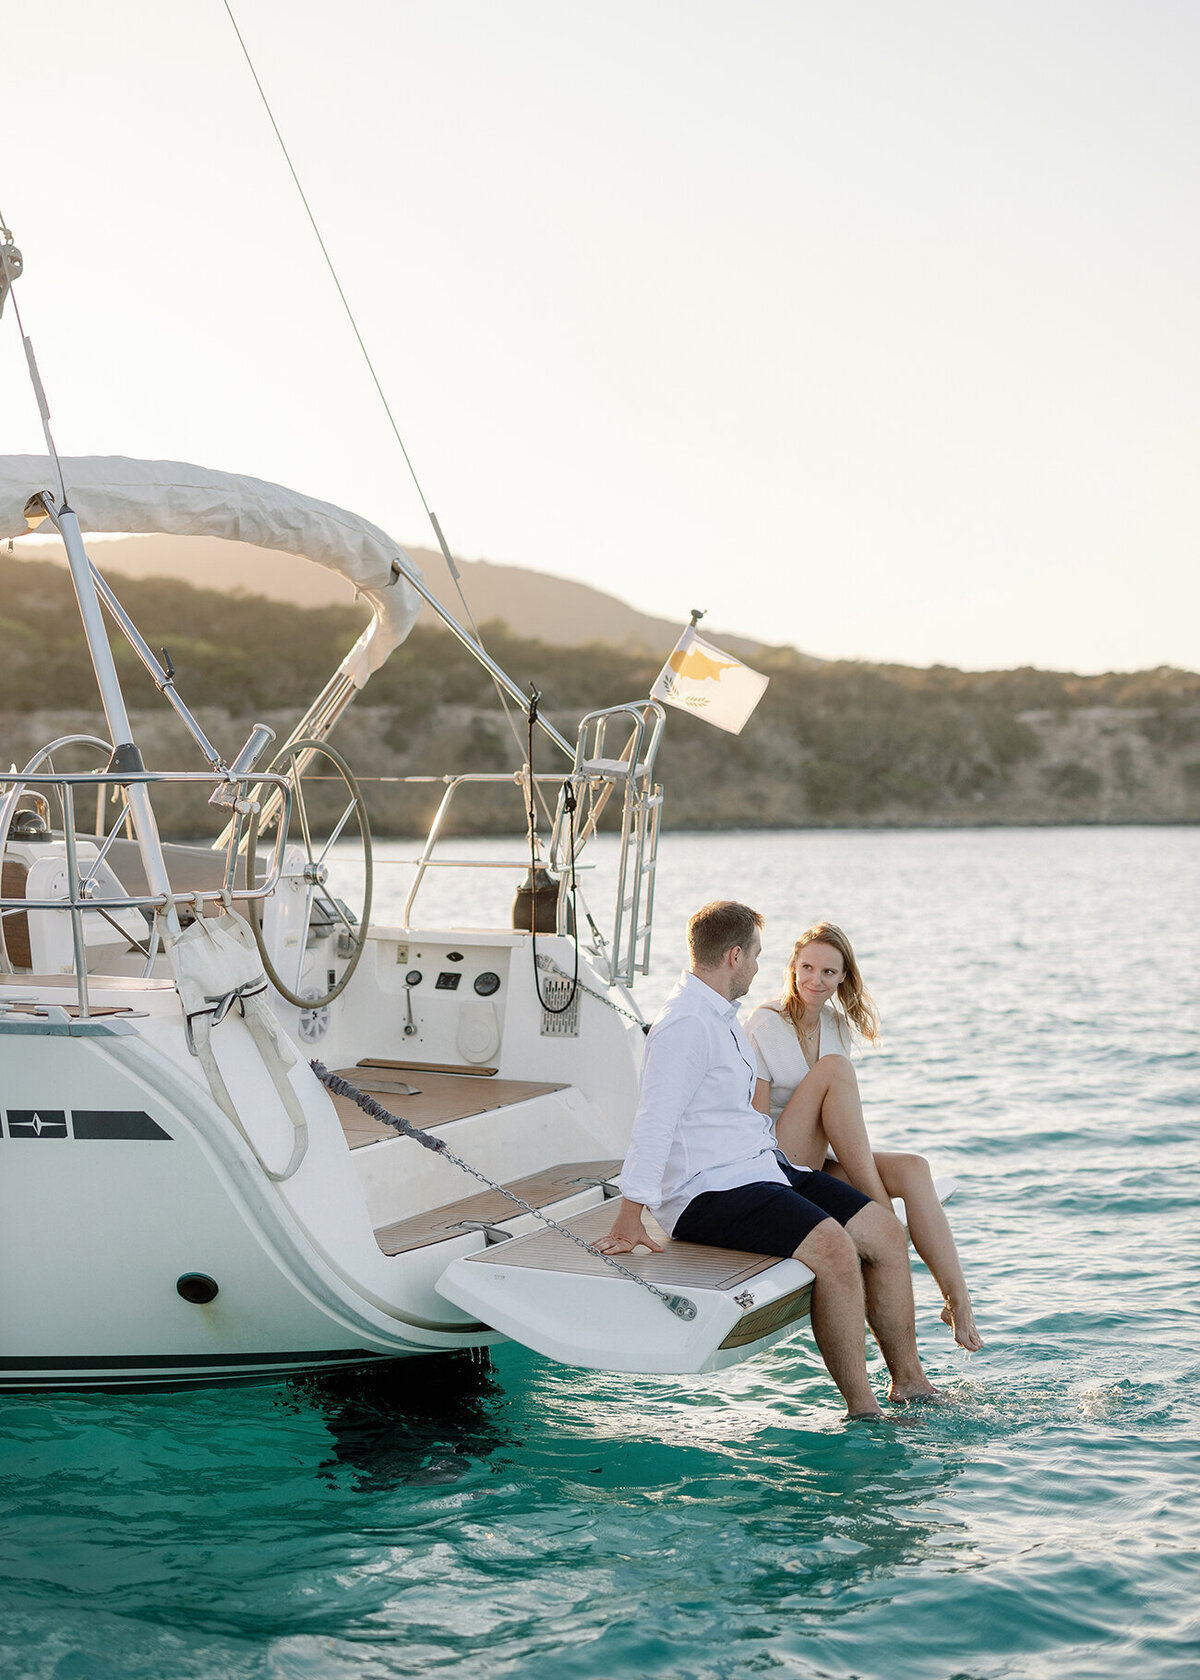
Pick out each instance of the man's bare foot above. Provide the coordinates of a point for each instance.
(961, 1319)
(917, 1393)
(893, 1421)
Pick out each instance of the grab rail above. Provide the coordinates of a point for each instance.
(80, 899)
(427, 861)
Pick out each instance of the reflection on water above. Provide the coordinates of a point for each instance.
(417, 1421)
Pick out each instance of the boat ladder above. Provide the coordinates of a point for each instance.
(595, 775)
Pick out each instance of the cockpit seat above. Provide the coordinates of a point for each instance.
(109, 936)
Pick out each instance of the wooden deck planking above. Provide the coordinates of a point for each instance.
(680, 1263)
(440, 1097)
(554, 1184)
(469, 1070)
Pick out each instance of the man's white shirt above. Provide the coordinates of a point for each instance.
(696, 1128)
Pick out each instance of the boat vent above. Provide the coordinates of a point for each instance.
(555, 993)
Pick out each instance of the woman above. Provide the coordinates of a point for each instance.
(808, 1086)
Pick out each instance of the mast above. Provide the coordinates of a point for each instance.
(126, 756)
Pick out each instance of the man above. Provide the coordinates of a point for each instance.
(703, 1159)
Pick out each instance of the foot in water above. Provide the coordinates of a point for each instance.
(961, 1319)
(919, 1394)
(892, 1421)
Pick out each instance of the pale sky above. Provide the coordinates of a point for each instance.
(869, 325)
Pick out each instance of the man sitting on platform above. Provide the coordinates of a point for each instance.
(703, 1159)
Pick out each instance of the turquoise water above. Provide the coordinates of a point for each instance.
(1039, 992)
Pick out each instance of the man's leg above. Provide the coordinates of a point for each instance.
(770, 1218)
(882, 1245)
(836, 1313)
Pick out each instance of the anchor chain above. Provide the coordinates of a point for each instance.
(678, 1304)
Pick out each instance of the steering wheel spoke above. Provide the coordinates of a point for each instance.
(326, 797)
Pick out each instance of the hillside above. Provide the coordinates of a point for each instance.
(542, 607)
(831, 745)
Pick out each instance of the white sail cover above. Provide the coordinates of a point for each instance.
(111, 493)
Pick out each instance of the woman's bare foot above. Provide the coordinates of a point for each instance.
(961, 1320)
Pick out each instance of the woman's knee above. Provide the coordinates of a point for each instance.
(837, 1070)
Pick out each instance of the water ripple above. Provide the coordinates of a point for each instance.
(522, 1518)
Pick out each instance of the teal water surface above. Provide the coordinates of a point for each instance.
(1039, 993)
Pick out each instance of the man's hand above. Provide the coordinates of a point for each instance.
(627, 1233)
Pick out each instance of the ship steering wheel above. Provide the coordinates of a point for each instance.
(330, 808)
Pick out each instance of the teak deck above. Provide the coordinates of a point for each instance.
(440, 1097)
(680, 1263)
(553, 1184)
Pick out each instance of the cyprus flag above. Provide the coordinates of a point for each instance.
(700, 678)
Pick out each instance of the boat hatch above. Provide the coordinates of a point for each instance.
(573, 1306)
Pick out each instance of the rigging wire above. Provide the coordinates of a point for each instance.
(11, 275)
(430, 514)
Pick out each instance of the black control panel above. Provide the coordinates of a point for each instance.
(447, 981)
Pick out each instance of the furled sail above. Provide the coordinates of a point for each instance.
(112, 493)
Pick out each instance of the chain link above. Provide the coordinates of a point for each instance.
(678, 1304)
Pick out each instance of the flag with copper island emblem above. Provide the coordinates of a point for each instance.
(703, 679)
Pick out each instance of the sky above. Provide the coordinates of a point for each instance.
(869, 326)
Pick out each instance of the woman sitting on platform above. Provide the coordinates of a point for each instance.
(808, 1086)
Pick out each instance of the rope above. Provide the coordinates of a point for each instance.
(678, 1304)
(387, 409)
(569, 800)
(549, 966)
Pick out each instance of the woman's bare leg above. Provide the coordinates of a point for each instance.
(843, 1127)
(909, 1176)
(799, 1129)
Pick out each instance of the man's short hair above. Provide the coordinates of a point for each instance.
(718, 926)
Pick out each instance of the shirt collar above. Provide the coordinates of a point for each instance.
(701, 994)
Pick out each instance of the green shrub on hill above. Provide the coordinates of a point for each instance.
(834, 742)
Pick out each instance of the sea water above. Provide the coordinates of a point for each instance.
(1039, 992)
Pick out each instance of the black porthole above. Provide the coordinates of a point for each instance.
(487, 983)
(198, 1288)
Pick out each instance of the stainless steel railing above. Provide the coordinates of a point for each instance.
(81, 897)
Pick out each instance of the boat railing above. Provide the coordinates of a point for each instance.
(82, 896)
(452, 783)
(602, 767)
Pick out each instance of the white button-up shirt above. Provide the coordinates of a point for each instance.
(696, 1128)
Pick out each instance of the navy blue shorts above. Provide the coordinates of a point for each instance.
(769, 1218)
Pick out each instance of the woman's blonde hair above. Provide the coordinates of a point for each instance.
(858, 1006)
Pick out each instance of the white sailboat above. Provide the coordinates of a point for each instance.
(183, 1200)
